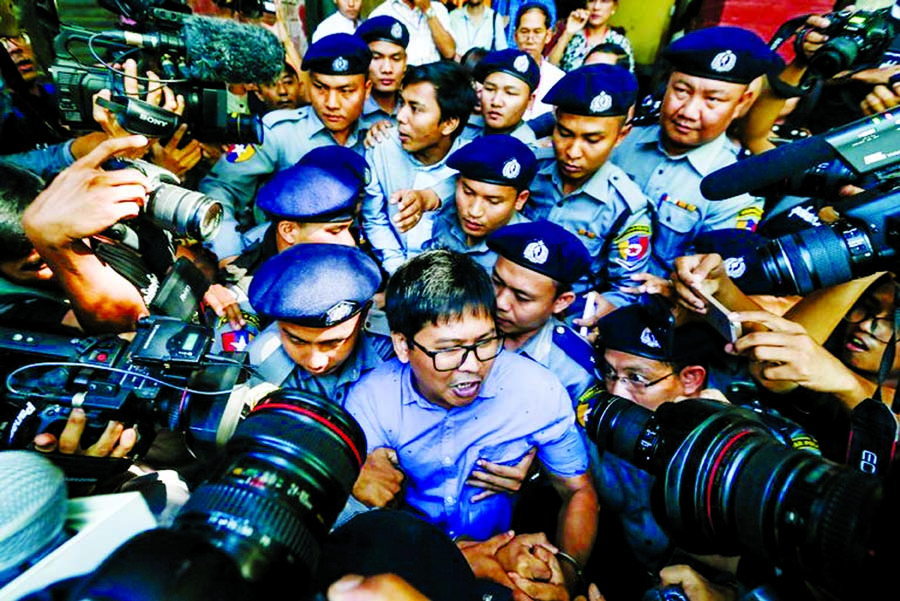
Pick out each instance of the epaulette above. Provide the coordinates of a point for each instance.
(573, 345)
(273, 118)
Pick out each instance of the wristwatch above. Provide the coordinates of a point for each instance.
(429, 14)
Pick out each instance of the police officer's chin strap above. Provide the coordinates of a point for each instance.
(874, 429)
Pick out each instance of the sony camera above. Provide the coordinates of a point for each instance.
(164, 378)
(726, 483)
(195, 56)
(856, 37)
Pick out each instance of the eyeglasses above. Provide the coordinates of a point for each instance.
(453, 358)
(882, 327)
(632, 380)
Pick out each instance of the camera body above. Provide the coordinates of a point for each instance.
(164, 378)
(856, 37)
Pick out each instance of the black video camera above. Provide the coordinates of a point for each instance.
(727, 484)
(165, 378)
(856, 38)
(194, 56)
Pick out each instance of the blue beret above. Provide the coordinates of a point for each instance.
(315, 285)
(325, 185)
(544, 247)
(724, 53)
(512, 62)
(647, 329)
(384, 28)
(595, 90)
(496, 159)
(338, 54)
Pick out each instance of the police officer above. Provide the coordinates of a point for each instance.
(707, 89)
(387, 38)
(318, 296)
(495, 172)
(536, 266)
(338, 67)
(508, 79)
(316, 200)
(578, 188)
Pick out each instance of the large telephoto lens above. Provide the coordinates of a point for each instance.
(286, 474)
(814, 258)
(726, 484)
(185, 213)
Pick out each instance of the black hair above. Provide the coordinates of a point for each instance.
(452, 86)
(471, 58)
(437, 286)
(533, 6)
(622, 59)
(18, 188)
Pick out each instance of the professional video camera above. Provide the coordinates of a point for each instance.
(866, 237)
(194, 56)
(164, 378)
(855, 38)
(726, 484)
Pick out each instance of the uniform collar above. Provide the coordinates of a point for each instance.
(538, 346)
(702, 158)
(595, 186)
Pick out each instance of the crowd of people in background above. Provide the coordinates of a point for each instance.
(467, 226)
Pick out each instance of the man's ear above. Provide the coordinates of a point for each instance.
(563, 301)
(692, 379)
(287, 231)
(521, 199)
(401, 347)
(449, 126)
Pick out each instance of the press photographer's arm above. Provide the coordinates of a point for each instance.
(83, 201)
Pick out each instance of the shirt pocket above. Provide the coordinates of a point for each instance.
(674, 227)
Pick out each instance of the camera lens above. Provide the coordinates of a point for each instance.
(183, 212)
(834, 56)
(286, 474)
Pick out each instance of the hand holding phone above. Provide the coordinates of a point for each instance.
(717, 316)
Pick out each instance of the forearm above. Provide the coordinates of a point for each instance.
(559, 48)
(102, 300)
(446, 45)
(577, 529)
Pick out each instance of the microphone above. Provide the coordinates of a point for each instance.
(216, 49)
(770, 167)
(32, 510)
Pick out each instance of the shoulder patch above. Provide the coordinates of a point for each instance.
(238, 153)
(633, 244)
(748, 219)
(574, 346)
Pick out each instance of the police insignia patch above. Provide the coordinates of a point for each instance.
(511, 169)
(339, 312)
(340, 64)
(601, 102)
(396, 31)
(536, 252)
(723, 62)
(521, 63)
(648, 339)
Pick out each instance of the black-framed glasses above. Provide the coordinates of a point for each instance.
(632, 380)
(882, 326)
(453, 358)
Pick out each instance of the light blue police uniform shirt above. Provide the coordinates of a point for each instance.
(672, 185)
(392, 169)
(590, 212)
(559, 348)
(235, 179)
(373, 113)
(274, 365)
(448, 234)
(520, 405)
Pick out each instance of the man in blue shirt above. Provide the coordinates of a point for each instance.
(452, 397)
(436, 101)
